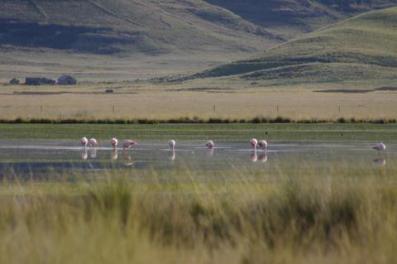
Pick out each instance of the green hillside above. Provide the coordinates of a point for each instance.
(360, 48)
(107, 27)
(291, 18)
(138, 39)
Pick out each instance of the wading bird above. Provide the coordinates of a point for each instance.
(172, 144)
(129, 144)
(114, 142)
(254, 143)
(262, 144)
(84, 141)
(379, 147)
(92, 142)
(210, 144)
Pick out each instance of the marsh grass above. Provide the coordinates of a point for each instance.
(303, 216)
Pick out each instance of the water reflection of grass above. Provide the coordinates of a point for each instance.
(307, 215)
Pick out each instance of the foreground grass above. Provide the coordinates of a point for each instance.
(344, 215)
(220, 132)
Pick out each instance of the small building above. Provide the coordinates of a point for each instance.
(14, 81)
(66, 80)
(39, 81)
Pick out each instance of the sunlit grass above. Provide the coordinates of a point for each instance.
(340, 214)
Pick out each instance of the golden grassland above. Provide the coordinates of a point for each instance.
(194, 99)
(338, 215)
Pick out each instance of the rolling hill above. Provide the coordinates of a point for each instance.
(291, 18)
(130, 39)
(362, 48)
(107, 27)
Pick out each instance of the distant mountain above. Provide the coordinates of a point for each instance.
(361, 48)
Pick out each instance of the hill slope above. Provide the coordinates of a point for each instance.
(103, 26)
(290, 18)
(117, 39)
(360, 48)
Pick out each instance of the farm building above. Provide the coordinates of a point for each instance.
(38, 81)
(14, 81)
(66, 80)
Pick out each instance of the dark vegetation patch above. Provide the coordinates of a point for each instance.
(97, 40)
(65, 92)
(203, 89)
(344, 91)
(197, 120)
(386, 89)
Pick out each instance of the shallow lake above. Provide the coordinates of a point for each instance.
(44, 157)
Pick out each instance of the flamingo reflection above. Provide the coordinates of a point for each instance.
(254, 156)
(128, 161)
(380, 162)
(210, 152)
(84, 154)
(172, 155)
(92, 152)
(263, 157)
(115, 154)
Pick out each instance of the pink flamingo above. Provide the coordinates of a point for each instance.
(114, 142)
(84, 141)
(254, 143)
(263, 144)
(380, 147)
(172, 144)
(92, 142)
(210, 144)
(129, 144)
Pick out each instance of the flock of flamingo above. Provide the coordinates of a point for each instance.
(128, 143)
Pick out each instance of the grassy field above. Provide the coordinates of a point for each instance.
(342, 214)
(219, 132)
(196, 99)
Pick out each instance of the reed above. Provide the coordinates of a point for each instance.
(344, 215)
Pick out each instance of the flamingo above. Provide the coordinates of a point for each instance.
(379, 147)
(172, 144)
(254, 143)
(92, 142)
(84, 141)
(114, 142)
(263, 144)
(129, 144)
(210, 144)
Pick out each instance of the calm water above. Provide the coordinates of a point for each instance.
(38, 158)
